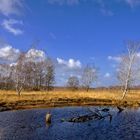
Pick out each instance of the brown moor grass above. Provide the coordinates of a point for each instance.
(11, 96)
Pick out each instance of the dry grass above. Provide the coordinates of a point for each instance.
(11, 96)
(9, 100)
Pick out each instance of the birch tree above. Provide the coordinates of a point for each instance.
(6, 76)
(73, 83)
(19, 73)
(89, 76)
(50, 74)
(128, 70)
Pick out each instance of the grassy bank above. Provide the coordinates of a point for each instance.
(36, 99)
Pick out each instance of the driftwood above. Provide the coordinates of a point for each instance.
(94, 115)
(88, 117)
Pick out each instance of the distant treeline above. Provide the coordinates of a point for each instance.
(27, 73)
(32, 73)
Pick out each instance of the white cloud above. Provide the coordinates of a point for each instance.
(71, 63)
(13, 64)
(8, 25)
(118, 58)
(133, 3)
(107, 75)
(61, 61)
(64, 2)
(8, 53)
(114, 58)
(138, 55)
(34, 54)
(10, 7)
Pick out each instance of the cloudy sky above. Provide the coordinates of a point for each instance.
(72, 32)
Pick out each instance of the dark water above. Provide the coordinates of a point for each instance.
(30, 125)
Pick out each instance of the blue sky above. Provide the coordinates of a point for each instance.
(73, 31)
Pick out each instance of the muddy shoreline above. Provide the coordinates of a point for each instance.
(29, 104)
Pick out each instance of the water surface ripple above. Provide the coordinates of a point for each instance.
(31, 125)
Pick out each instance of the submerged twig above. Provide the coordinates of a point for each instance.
(120, 109)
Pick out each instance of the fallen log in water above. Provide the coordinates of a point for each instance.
(84, 118)
(94, 115)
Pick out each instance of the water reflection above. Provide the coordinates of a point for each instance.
(30, 124)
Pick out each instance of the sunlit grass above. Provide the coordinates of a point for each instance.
(11, 96)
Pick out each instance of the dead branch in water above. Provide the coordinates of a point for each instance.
(94, 115)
